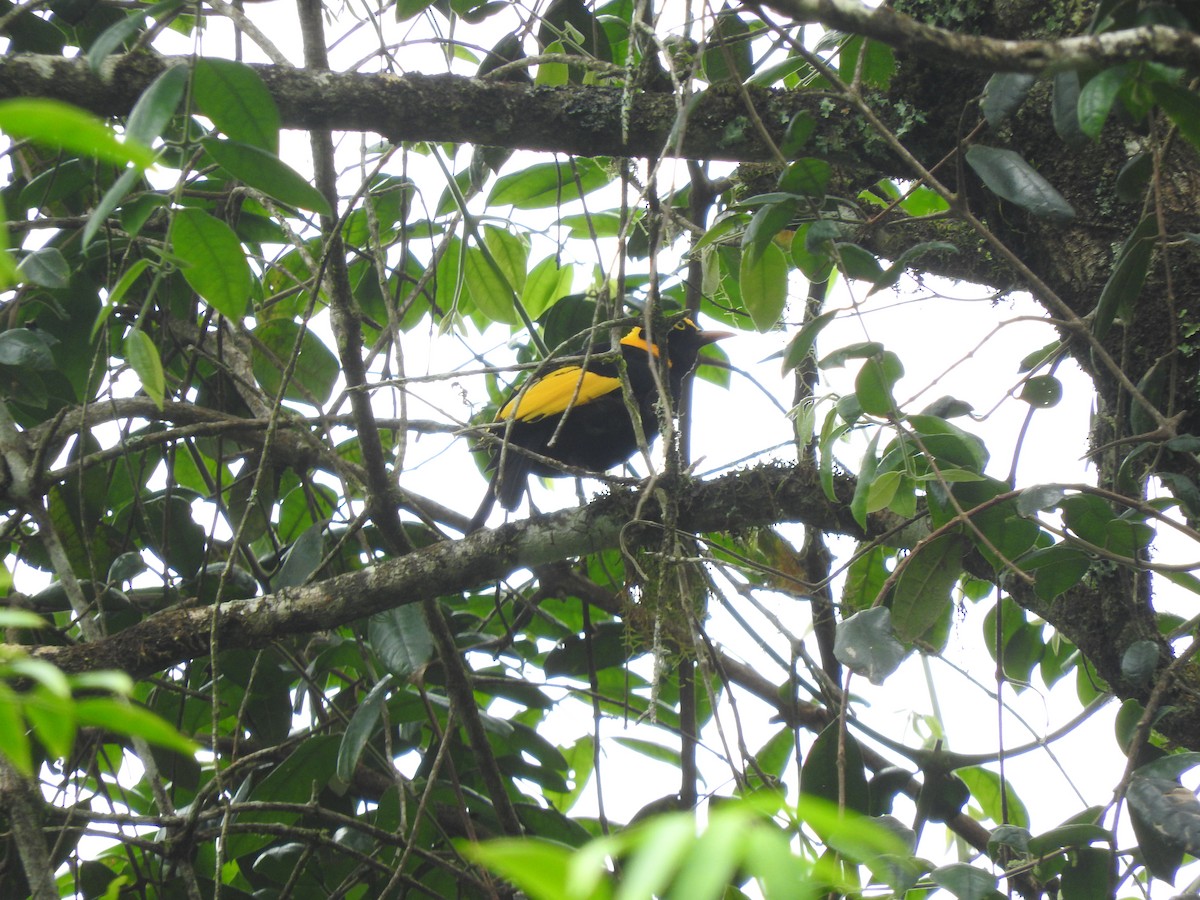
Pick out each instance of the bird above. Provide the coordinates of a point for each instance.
(598, 432)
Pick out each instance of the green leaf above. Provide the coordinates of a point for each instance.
(1042, 391)
(662, 845)
(546, 284)
(866, 476)
(727, 53)
(1065, 108)
(1003, 95)
(27, 349)
(866, 645)
(1096, 98)
(1181, 106)
(765, 224)
(143, 357)
(833, 768)
(14, 737)
(549, 184)
(808, 177)
(892, 274)
(798, 132)
(1124, 285)
(303, 558)
(215, 264)
(123, 717)
(1008, 175)
(361, 727)
(401, 639)
(266, 172)
(61, 126)
(234, 97)
(650, 750)
(120, 32)
(157, 105)
(1140, 661)
(53, 721)
(985, 788)
(111, 200)
(1035, 499)
(46, 267)
(924, 589)
(875, 381)
(313, 380)
(966, 882)
(764, 285)
(538, 867)
(859, 263)
(800, 346)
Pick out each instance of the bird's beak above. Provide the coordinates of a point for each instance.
(711, 337)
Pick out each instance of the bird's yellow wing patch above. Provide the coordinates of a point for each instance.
(555, 391)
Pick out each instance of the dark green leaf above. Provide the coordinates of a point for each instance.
(1182, 106)
(116, 35)
(360, 728)
(830, 774)
(1065, 108)
(1097, 97)
(800, 346)
(302, 560)
(924, 589)
(1134, 177)
(875, 381)
(1124, 286)
(798, 132)
(1090, 873)
(866, 645)
(401, 639)
(1003, 94)
(1140, 661)
(859, 263)
(27, 349)
(765, 224)
(1008, 175)
(727, 55)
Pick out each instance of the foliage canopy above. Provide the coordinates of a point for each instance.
(248, 652)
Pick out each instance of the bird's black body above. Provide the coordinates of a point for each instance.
(598, 432)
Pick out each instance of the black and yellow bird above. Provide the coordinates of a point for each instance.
(598, 432)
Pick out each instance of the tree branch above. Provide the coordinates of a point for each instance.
(584, 120)
(736, 501)
(886, 25)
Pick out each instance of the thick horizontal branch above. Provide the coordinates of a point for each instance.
(884, 24)
(586, 120)
(754, 497)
